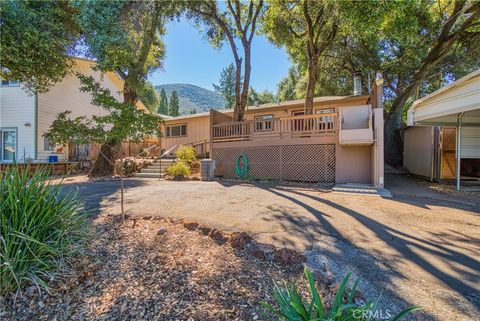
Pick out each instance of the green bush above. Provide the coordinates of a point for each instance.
(40, 229)
(178, 169)
(292, 307)
(186, 154)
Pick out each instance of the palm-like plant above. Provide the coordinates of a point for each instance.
(292, 307)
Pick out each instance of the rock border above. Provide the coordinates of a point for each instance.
(241, 241)
(244, 242)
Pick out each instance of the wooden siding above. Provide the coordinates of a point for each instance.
(66, 95)
(17, 109)
(198, 131)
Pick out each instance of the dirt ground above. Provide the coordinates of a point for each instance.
(420, 247)
(156, 270)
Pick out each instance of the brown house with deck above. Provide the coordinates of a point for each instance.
(342, 142)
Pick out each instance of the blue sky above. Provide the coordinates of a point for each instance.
(191, 59)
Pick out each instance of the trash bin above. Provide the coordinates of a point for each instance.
(52, 158)
(207, 169)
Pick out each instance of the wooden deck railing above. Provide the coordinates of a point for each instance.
(285, 127)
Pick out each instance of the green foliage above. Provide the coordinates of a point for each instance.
(303, 27)
(178, 169)
(292, 307)
(163, 107)
(34, 33)
(173, 108)
(286, 88)
(258, 98)
(125, 36)
(41, 229)
(122, 121)
(186, 154)
(149, 96)
(226, 85)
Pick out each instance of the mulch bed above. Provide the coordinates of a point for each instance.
(162, 270)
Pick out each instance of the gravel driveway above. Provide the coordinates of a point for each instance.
(419, 247)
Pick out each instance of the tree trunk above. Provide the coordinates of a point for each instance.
(238, 81)
(246, 84)
(104, 164)
(312, 80)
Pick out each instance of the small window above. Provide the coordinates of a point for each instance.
(176, 130)
(47, 145)
(10, 83)
(263, 123)
(327, 121)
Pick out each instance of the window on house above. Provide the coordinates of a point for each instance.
(8, 145)
(263, 123)
(47, 145)
(327, 121)
(10, 83)
(176, 130)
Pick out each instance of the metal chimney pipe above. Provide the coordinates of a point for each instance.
(357, 83)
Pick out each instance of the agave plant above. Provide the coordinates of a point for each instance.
(40, 228)
(292, 307)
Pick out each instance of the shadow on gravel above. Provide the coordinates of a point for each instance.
(94, 192)
(413, 250)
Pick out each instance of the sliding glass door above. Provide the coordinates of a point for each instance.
(8, 145)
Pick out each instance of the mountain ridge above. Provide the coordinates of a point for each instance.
(193, 97)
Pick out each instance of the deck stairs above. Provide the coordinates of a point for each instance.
(156, 169)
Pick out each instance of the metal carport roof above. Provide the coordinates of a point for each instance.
(458, 105)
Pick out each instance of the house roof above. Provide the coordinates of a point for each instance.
(445, 106)
(450, 86)
(289, 103)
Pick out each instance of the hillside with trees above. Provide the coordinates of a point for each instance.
(193, 97)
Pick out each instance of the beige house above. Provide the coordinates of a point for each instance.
(25, 118)
(443, 137)
(341, 142)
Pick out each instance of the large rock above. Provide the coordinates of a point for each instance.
(288, 256)
(191, 225)
(205, 230)
(240, 240)
(218, 237)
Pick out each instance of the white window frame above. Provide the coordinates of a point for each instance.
(263, 123)
(51, 147)
(183, 133)
(9, 83)
(328, 120)
(9, 129)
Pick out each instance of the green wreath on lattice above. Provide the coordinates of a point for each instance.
(242, 166)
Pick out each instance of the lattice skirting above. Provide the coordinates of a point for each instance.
(305, 163)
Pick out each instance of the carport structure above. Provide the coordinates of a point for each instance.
(455, 105)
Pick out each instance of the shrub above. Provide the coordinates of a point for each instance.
(292, 307)
(186, 154)
(178, 169)
(41, 228)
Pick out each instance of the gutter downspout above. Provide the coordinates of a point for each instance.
(458, 148)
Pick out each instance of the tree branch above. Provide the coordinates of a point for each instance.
(254, 20)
